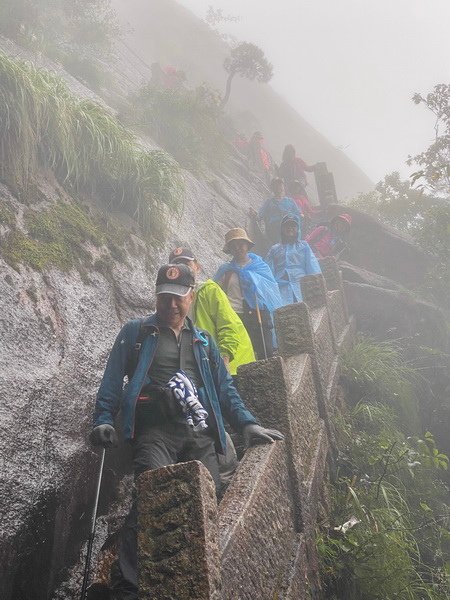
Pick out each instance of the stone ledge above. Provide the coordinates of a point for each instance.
(347, 338)
(295, 583)
(332, 386)
(256, 524)
(312, 484)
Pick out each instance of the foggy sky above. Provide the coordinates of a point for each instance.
(350, 67)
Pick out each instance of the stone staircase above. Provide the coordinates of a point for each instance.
(258, 544)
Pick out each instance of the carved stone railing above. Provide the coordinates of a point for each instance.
(259, 541)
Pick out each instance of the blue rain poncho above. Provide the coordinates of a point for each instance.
(272, 213)
(257, 282)
(289, 263)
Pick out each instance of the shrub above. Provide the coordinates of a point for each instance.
(389, 535)
(183, 121)
(378, 371)
(42, 125)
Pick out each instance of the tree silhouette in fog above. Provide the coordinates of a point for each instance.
(246, 60)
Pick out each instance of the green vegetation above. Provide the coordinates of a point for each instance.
(378, 372)
(59, 236)
(389, 535)
(74, 32)
(43, 125)
(183, 121)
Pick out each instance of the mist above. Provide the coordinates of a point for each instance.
(351, 67)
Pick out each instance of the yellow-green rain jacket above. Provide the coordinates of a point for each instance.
(213, 312)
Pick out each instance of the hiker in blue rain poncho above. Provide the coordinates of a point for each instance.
(291, 260)
(252, 290)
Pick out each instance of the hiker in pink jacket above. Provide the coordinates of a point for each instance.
(330, 240)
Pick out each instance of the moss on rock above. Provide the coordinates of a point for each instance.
(60, 236)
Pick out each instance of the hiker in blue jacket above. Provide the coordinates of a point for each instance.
(274, 209)
(291, 260)
(178, 392)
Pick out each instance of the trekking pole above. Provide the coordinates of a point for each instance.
(258, 314)
(92, 533)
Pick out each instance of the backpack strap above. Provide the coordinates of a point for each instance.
(134, 355)
(226, 281)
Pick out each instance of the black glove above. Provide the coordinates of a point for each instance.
(255, 434)
(104, 435)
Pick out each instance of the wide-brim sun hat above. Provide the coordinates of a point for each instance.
(236, 234)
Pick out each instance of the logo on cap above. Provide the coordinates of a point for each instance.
(177, 251)
(173, 273)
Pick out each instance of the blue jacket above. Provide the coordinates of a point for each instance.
(289, 263)
(217, 395)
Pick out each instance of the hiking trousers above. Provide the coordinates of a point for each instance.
(154, 447)
(251, 324)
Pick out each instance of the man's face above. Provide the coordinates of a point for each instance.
(172, 309)
(239, 249)
(289, 231)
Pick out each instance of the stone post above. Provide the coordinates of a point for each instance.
(295, 335)
(314, 290)
(326, 189)
(178, 552)
(333, 279)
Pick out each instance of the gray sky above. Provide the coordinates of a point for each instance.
(350, 67)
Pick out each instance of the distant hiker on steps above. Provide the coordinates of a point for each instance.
(251, 288)
(178, 392)
(274, 209)
(293, 168)
(291, 260)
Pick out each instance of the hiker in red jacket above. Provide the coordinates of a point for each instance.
(330, 240)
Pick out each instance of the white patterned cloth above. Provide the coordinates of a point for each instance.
(183, 389)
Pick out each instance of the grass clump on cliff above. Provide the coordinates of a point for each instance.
(186, 122)
(388, 534)
(43, 125)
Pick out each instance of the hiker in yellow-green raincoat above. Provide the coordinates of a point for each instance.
(212, 311)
